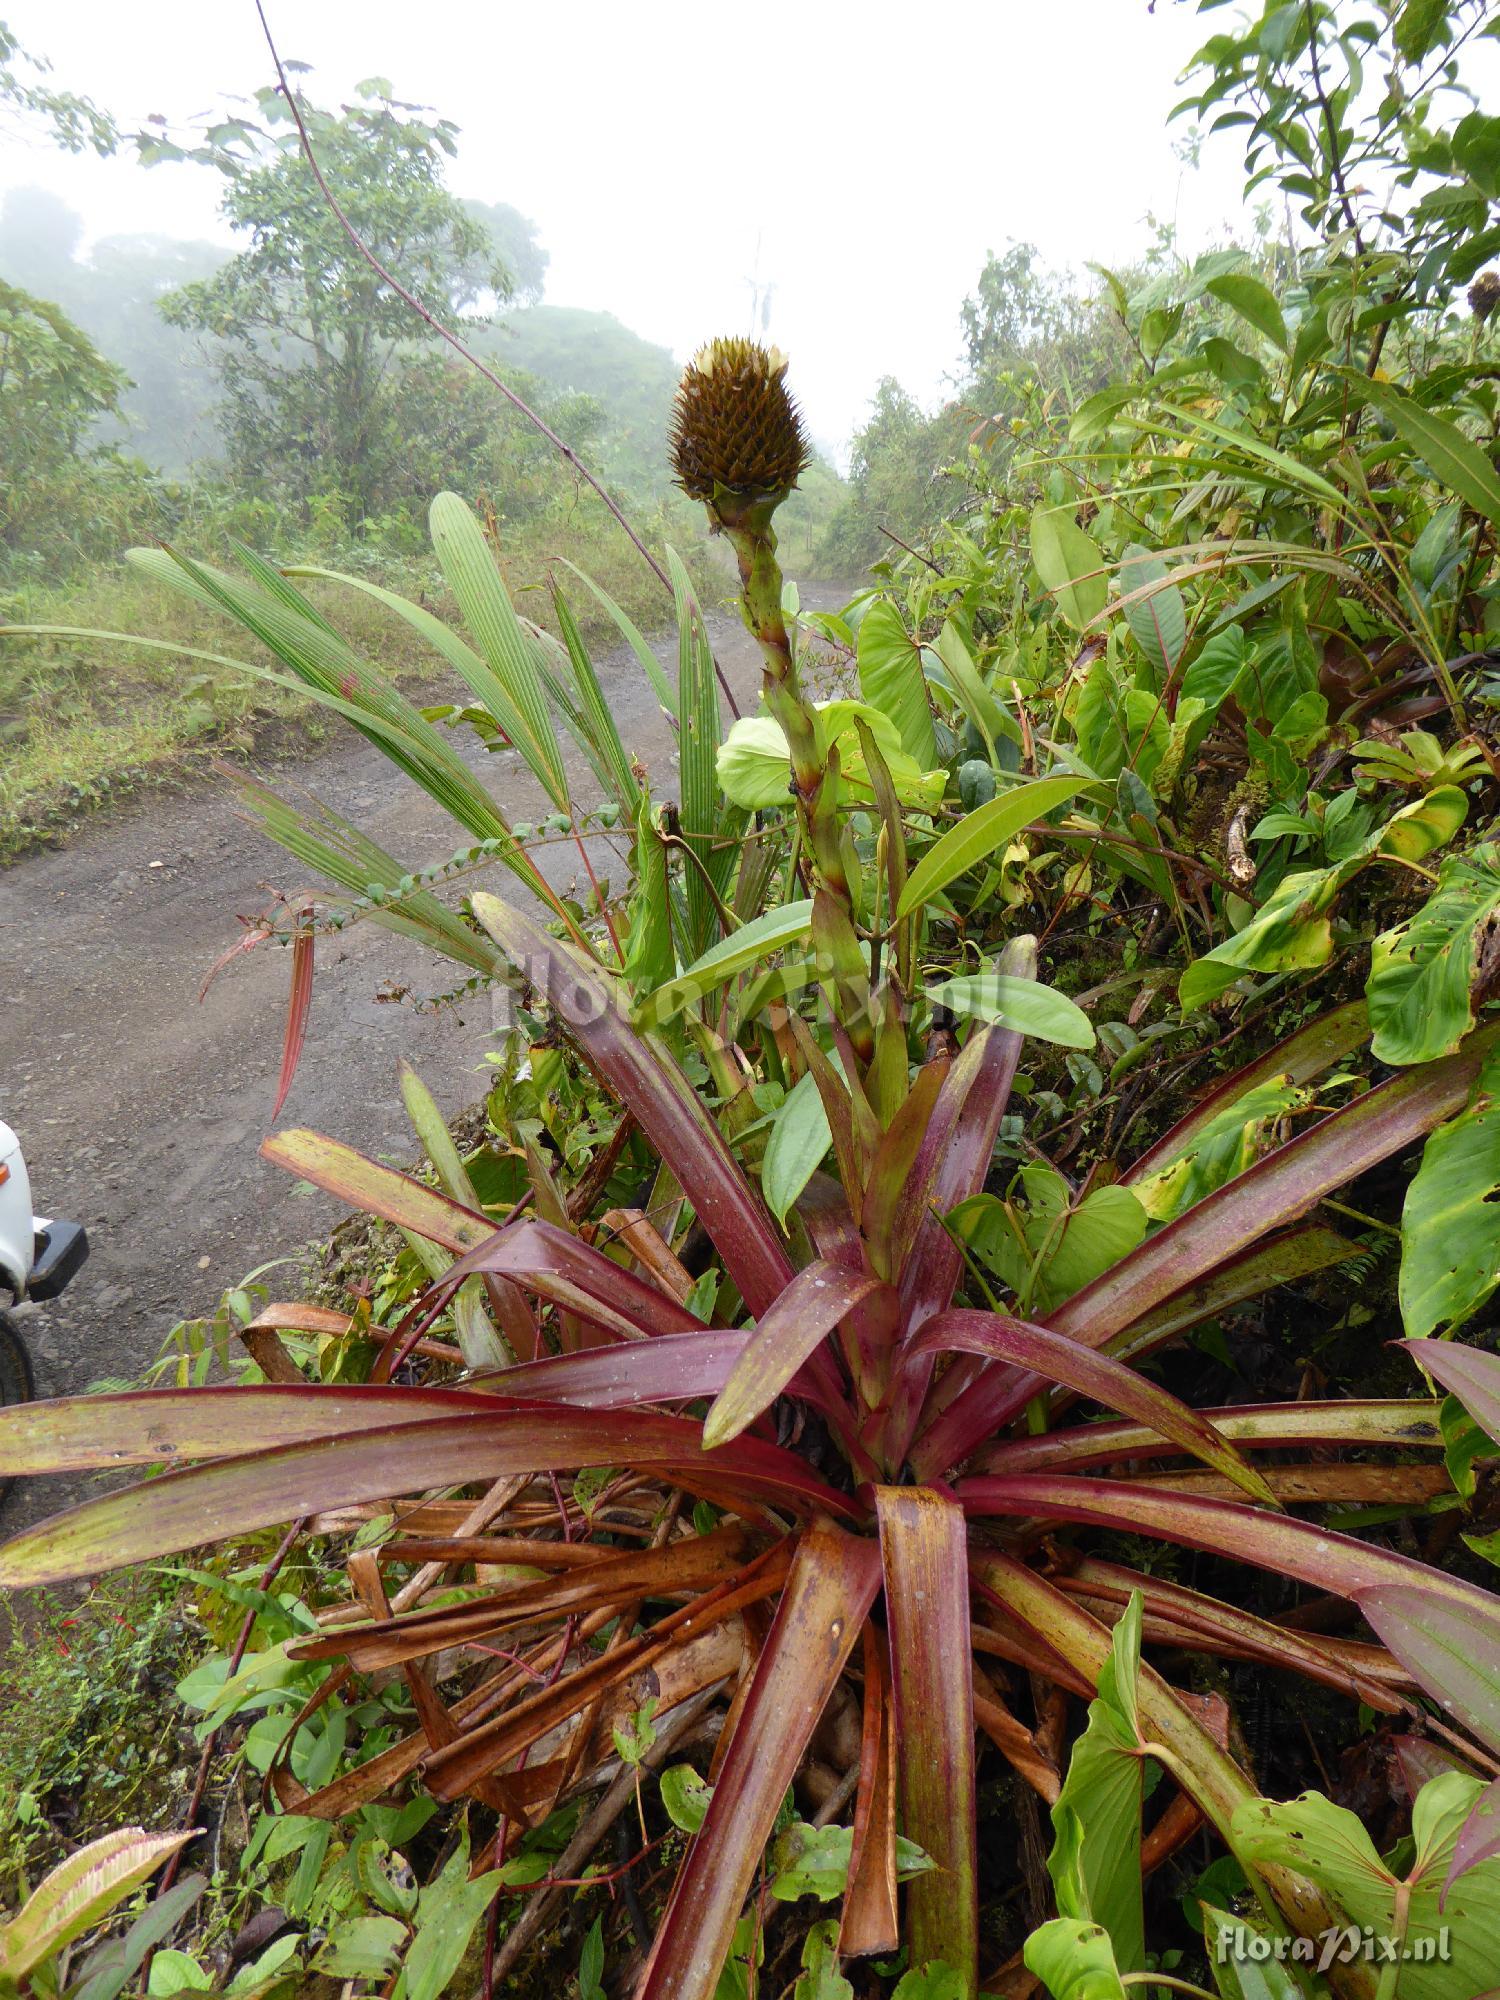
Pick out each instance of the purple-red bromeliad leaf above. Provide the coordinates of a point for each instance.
(924, 1551)
(204, 1503)
(832, 1585)
(1274, 1192)
(642, 1073)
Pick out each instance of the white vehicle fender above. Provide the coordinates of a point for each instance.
(16, 1227)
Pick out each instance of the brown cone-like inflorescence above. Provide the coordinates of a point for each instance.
(1484, 295)
(735, 429)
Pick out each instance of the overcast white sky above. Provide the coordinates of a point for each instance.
(875, 151)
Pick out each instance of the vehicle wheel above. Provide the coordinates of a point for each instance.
(17, 1384)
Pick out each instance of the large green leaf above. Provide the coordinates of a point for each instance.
(737, 953)
(1154, 609)
(1450, 1220)
(1074, 1960)
(650, 958)
(1070, 565)
(1234, 1947)
(979, 833)
(1216, 667)
(800, 1137)
(1425, 972)
(983, 706)
(754, 763)
(1253, 301)
(1456, 463)
(1095, 1863)
(1292, 931)
(1214, 1153)
(516, 696)
(448, 1913)
(1395, 1899)
(1042, 1246)
(1027, 1005)
(891, 679)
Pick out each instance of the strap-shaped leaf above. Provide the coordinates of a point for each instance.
(979, 833)
(924, 1553)
(1233, 1219)
(1466, 1372)
(735, 954)
(237, 1496)
(1444, 1631)
(831, 1587)
(1456, 461)
(81, 1891)
(378, 1190)
(595, 711)
(1301, 1057)
(630, 633)
(545, 1259)
(1455, 1657)
(788, 1335)
(323, 839)
(648, 1082)
(1386, 1421)
(337, 678)
(1212, 1777)
(515, 693)
(150, 1426)
(697, 756)
(1091, 1374)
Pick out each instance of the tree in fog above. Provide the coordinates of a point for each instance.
(314, 353)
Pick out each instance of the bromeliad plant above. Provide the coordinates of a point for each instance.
(877, 1468)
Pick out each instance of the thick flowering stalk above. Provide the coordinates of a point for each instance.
(738, 445)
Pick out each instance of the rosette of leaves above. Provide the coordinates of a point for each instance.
(860, 1555)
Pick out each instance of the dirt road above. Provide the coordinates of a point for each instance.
(141, 1111)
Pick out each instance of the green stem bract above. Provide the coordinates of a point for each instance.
(746, 520)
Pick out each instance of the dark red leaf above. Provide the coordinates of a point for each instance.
(299, 1006)
(924, 1553)
(832, 1585)
(205, 1503)
(641, 1071)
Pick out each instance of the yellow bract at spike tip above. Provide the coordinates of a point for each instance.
(735, 427)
